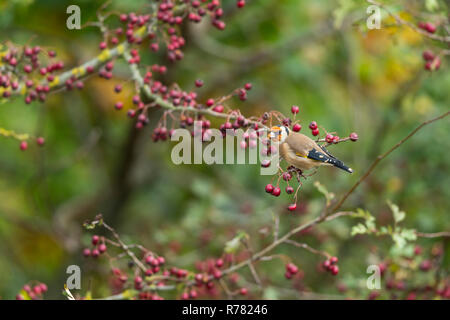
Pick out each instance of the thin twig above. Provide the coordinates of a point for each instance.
(384, 155)
(307, 247)
(125, 248)
(433, 235)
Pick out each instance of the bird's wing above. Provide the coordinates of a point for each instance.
(300, 144)
(305, 147)
(325, 150)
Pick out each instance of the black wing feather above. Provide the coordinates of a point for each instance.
(322, 157)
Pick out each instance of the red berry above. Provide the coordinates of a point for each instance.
(297, 127)
(193, 294)
(118, 88)
(287, 176)
(334, 270)
(288, 275)
(248, 86)
(313, 125)
(240, 3)
(40, 141)
(198, 83)
(95, 239)
(315, 132)
(292, 207)
(329, 138)
(148, 272)
(102, 248)
(210, 102)
(353, 136)
(430, 27)
(37, 290)
(417, 250)
(291, 268)
(43, 287)
(219, 263)
(334, 260)
(95, 253)
(243, 291)
(118, 105)
(289, 190)
(295, 109)
(326, 264)
(23, 145)
(102, 45)
(269, 188)
(425, 265)
(335, 139)
(428, 55)
(218, 109)
(86, 252)
(276, 192)
(217, 274)
(184, 296)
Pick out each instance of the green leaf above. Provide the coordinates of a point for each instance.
(271, 293)
(233, 245)
(322, 189)
(409, 234)
(398, 215)
(358, 229)
(399, 240)
(431, 5)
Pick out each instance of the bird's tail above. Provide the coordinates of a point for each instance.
(328, 159)
(339, 164)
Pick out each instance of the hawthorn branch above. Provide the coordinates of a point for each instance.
(445, 39)
(383, 156)
(307, 247)
(433, 235)
(125, 247)
(136, 74)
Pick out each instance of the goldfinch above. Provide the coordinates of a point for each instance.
(301, 151)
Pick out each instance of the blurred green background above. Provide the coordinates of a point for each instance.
(315, 54)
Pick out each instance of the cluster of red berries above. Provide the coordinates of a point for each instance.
(35, 292)
(154, 263)
(201, 8)
(208, 271)
(330, 265)
(314, 128)
(99, 247)
(25, 66)
(291, 270)
(427, 26)
(24, 144)
(432, 62)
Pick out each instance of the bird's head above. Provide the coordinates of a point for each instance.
(278, 133)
